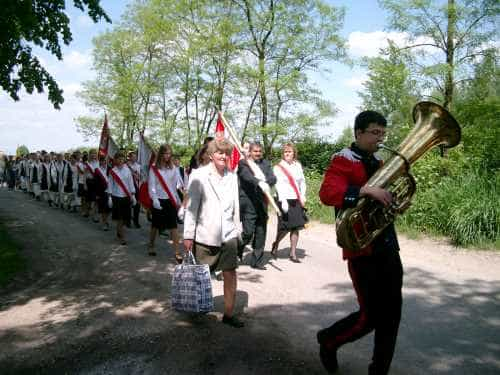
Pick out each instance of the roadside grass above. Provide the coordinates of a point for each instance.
(11, 261)
(464, 209)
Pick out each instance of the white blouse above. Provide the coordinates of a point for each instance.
(126, 176)
(172, 178)
(283, 186)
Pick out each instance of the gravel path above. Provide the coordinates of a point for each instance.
(87, 305)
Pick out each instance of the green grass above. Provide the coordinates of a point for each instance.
(11, 261)
(464, 209)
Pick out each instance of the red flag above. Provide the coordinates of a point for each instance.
(107, 146)
(219, 133)
(145, 157)
(104, 141)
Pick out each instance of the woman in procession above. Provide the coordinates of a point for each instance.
(102, 182)
(212, 221)
(121, 192)
(291, 195)
(163, 182)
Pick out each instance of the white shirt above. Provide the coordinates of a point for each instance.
(228, 226)
(136, 172)
(172, 178)
(283, 186)
(93, 165)
(114, 189)
(81, 172)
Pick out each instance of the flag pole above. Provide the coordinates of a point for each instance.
(250, 162)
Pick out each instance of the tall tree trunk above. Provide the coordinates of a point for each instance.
(263, 101)
(450, 52)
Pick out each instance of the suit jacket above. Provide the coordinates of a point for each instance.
(251, 196)
(203, 217)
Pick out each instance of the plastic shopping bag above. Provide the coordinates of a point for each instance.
(192, 286)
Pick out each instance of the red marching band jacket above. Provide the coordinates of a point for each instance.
(343, 179)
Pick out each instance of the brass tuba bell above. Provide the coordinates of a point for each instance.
(357, 227)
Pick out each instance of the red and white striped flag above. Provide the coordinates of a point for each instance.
(145, 157)
(219, 133)
(107, 146)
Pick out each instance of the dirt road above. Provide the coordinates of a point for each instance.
(89, 306)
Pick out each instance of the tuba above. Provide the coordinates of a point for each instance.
(357, 227)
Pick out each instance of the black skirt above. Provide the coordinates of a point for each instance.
(166, 218)
(90, 195)
(121, 208)
(102, 204)
(294, 219)
(81, 190)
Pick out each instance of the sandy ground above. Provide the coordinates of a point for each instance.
(87, 305)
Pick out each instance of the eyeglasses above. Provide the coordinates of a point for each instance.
(376, 133)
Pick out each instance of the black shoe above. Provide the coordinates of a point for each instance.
(294, 260)
(232, 321)
(328, 359)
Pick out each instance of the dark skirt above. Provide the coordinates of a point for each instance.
(121, 208)
(102, 204)
(90, 195)
(294, 219)
(166, 218)
(81, 190)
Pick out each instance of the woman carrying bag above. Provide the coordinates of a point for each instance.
(291, 191)
(212, 222)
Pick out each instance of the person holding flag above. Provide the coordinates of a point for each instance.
(121, 192)
(164, 180)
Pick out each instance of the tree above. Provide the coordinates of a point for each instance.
(22, 151)
(286, 39)
(391, 90)
(40, 23)
(447, 38)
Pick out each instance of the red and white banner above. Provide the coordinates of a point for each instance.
(107, 146)
(219, 133)
(145, 157)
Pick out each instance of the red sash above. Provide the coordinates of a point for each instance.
(89, 168)
(120, 183)
(101, 176)
(292, 182)
(79, 169)
(164, 186)
(134, 177)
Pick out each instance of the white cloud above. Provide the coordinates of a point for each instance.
(84, 21)
(34, 122)
(76, 60)
(355, 82)
(369, 44)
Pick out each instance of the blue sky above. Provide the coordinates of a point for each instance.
(33, 121)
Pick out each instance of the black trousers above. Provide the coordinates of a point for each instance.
(378, 280)
(254, 225)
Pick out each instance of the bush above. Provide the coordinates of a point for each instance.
(465, 209)
(315, 209)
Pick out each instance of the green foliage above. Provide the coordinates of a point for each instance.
(22, 151)
(11, 261)
(315, 154)
(459, 208)
(44, 24)
(315, 209)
